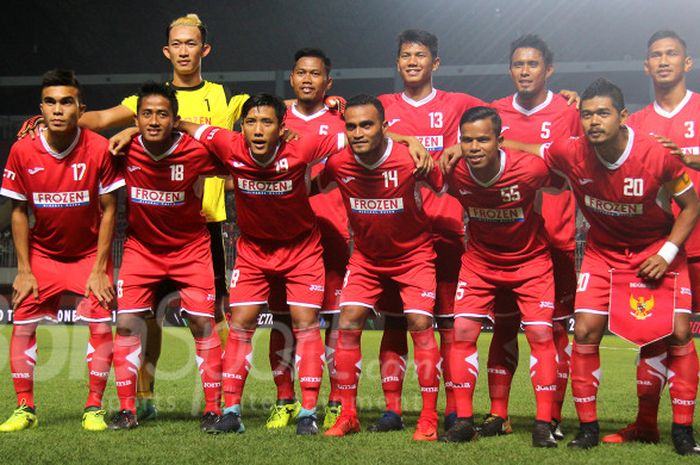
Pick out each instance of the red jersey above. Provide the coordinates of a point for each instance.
(272, 200)
(382, 201)
(553, 119)
(682, 126)
(328, 207)
(62, 190)
(505, 227)
(624, 202)
(163, 210)
(434, 121)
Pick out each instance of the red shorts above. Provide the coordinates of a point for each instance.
(55, 277)
(694, 275)
(448, 251)
(298, 264)
(413, 275)
(531, 284)
(593, 290)
(189, 268)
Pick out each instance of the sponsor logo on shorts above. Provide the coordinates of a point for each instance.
(686, 291)
(687, 402)
(546, 304)
(61, 199)
(583, 400)
(431, 143)
(496, 215)
(376, 206)
(257, 187)
(428, 294)
(540, 388)
(609, 208)
(316, 288)
(157, 198)
(211, 297)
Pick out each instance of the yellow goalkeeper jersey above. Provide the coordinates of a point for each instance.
(207, 103)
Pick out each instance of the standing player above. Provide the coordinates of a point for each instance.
(432, 116)
(392, 244)
(66, 176)
(309, 117)
(623, 181)
(499, 190)
(675, 113)
(167, 239)
(534, 114)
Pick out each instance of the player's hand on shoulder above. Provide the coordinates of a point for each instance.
(421, 157)
(571, 96)
(653, 268)
(691, 161)
(121, 140)
(24, 284)
(289, 135)
(31, 127)
(336, 103)
(100, 285)
(449, 158)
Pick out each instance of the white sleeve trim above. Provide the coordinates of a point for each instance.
(112, 187)
(198, 133)
(544, 147)
(12, 194)
(341, 140)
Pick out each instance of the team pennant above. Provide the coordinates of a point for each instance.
(641, 311)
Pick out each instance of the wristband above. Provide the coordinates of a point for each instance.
(668, 251)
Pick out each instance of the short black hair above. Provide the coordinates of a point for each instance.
(532, 41)
(666, 34)
(61, 77)
(479, 113)
(601, 87)
(155, 88)
(315, 53)
(265, 100)
(365, 99)
(417, 36)
(191, 19)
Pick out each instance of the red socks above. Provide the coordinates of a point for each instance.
(99, 361)
(22, 362)
(127, 360)
(683, 382)
(330, 343)
(502, 363)
(393, 353)
(651, 378)
(427, 360)
(348, 363)
(236, 364)
(464, 364)
(281, 361)
(446, 340)
(543, 368)
(585, 378)
(561, 344)
(310, 361)
(208, 350)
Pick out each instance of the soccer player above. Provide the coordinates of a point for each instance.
(167, 239)
(432, 116)
(392, 243)
(66, 176)
(675, 113)
(201, 102)
(308, 116)
(623, 181)
(499, 190)
(534, 114)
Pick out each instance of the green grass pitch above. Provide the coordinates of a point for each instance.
(61, 388)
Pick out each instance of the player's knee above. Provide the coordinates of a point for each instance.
(538, 333)
(200, 326)
(466, 329)
(418, 322)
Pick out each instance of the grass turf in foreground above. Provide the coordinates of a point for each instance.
(61, 388)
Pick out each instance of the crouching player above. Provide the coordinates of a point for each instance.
(67, 178)
(507, 252)
(393, 243)
(623, 182)
(167, 239)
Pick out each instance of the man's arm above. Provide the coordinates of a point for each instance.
(25, 283)
(424, 162)
(656, 266)
(98, 282)
(111, 118)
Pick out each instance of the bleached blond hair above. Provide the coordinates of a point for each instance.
(191, 19)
